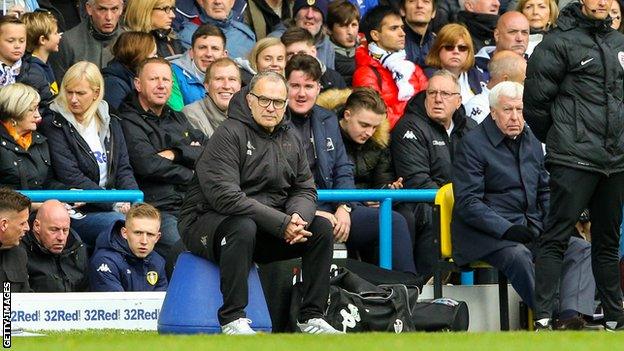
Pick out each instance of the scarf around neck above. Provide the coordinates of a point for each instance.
(397, 63)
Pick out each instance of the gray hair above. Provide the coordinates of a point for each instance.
(270, 75)
(511, 90)
(446, 74)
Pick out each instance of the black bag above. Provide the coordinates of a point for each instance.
(442, 314)
(355, 305)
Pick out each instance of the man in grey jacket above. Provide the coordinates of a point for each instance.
(89, 41)
(223, 80)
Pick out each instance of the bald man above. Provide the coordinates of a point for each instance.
(57, 258)
(511, 33)
(506, 65)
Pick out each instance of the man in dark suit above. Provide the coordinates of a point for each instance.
(501, 200)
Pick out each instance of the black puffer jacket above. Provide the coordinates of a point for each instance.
(246, 171)
(574, 91)
(373, 162)
(163, 182)
(26, 169)
(421, 150)
(65, 272)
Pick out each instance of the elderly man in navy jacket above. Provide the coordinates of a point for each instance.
(501, 198)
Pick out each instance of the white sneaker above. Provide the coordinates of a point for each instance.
(238, 327)
(317, 326)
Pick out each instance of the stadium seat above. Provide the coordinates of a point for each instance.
(193, 298)
(443, 211)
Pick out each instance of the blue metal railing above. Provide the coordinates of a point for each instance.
(84, 195)
(385, 197)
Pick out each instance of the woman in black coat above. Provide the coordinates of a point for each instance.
(24, 153)
(88, 147)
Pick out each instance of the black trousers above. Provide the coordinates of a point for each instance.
(238, 243)
(572, 190)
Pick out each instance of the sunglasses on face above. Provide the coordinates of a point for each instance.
(460, 48)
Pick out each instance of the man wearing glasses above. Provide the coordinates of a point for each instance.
(422, 149)
(253, 199)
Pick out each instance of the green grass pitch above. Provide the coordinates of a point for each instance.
(151, 341)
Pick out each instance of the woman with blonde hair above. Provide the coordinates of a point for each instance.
(24, 153)
(453, 50)
(88, 148)
(154, 17)
(269, 54)
(542, 16)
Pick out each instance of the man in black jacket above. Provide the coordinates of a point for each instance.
(422, 147)
(13, 226)
(57, 258)
(162, 145)
(573, 103)
(480, 17)
(253, 199)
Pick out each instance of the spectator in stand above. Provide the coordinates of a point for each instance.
(542, 16)
(383, 66)
(162, 145)
(505, 65)
(343, 23)
(480, 17)
(154, 17)
(446, 12)
(90, 40)
(616, 15)
(366, 135)
(423, 145)
(223, 80)
(124, 259)
(12, 48)
(253, 199)
(453, 51)
(130, 49)
(511, 33)
(88, 148)
(14, 209)
(501, 202)
(310, 15)
(189, 70)
(240, 38)
(24, 153)
(269, 54)
(263, 16)
(42, 39)
(300, 41)
(419, 34)
(354, 224)
(57, 258)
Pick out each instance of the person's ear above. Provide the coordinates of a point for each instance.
(375, 35)
(137, 84)
(124, 233)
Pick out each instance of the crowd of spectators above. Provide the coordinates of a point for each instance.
(413, 94)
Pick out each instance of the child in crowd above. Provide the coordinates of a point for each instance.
(12, 47)
(42, 39)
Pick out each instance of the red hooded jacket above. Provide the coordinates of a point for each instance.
(382, 81)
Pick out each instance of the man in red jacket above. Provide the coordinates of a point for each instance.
(383, 66)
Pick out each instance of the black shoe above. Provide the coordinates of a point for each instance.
(539, 327)
(576, 323)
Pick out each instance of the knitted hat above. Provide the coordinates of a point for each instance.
(321, 5)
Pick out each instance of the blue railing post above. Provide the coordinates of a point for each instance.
(385, 234)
